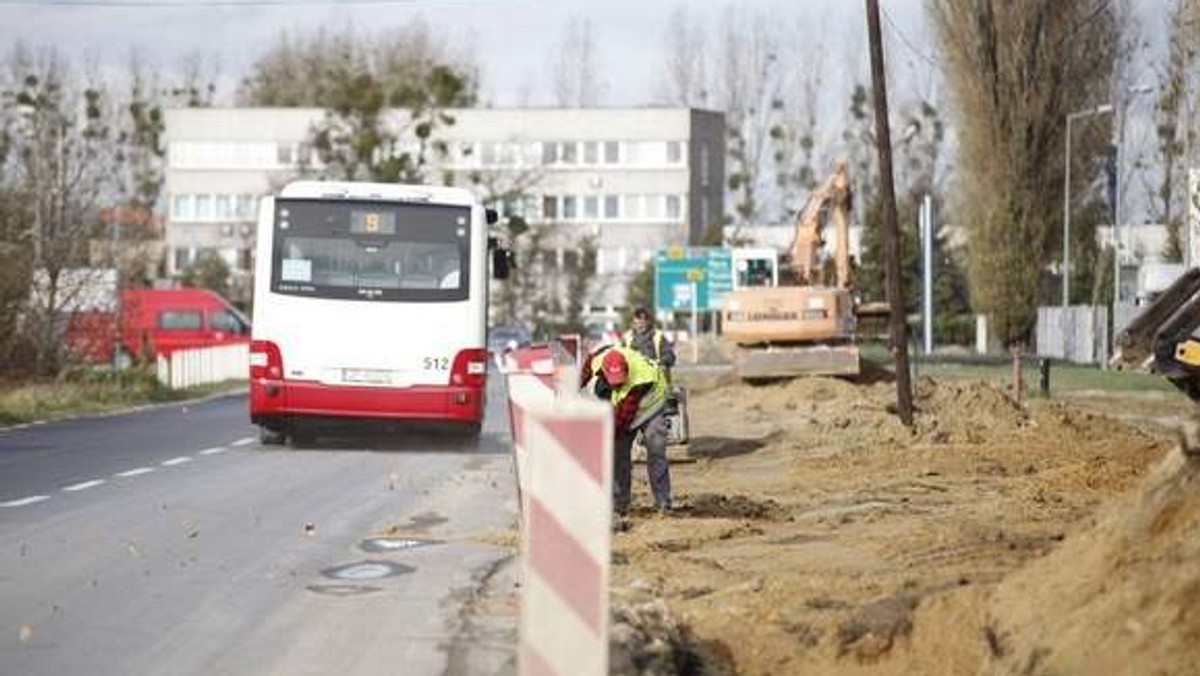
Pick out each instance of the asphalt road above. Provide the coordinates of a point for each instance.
(167, 541)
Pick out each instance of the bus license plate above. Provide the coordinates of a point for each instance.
(368, 376)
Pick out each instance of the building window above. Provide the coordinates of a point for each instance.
(183, 259)
(304, 154)
(569, 210)
(204, 208)
(673, 207)
(224, 206)
(245, 207)
(611, 207)
(591, 152)
(674, 152)
(549, 207)
(632, 156)
(284, 154)
(704, 165)
(653, 206)
(245, 262)
(591, 207)
(633, 206)
(612, 151)
(704, 213)
(549, 153)
(181, 208)
(529, 208)
(568, 155)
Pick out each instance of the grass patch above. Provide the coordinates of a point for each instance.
(91, 392)
(1064, 377)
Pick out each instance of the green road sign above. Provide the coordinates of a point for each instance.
(692, 277)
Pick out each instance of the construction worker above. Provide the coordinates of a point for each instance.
(648, 340)
(637, 389)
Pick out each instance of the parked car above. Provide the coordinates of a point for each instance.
(155, 322)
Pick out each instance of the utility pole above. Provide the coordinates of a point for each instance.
(895, 294)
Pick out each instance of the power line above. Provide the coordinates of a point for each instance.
(906, 42)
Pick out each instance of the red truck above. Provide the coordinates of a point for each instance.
(156, 322)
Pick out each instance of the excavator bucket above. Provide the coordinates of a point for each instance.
(1151, 338)
(1161, 339)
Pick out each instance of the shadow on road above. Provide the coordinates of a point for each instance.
(398, 438)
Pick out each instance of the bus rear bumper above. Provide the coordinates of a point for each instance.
(272, 400)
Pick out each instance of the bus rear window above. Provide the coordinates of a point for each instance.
(371, 251)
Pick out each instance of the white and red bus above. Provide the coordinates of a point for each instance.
(370, 303)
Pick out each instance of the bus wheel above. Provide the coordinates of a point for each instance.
(270, 437)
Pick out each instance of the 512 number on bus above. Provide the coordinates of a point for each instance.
(437, 363)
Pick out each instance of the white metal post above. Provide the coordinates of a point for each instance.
(695, 326)
(927, 237)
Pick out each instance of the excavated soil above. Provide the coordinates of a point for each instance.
(815, 534)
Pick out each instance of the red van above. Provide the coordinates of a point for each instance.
(157, 322)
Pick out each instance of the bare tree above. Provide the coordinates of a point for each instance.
(1015, 69)
(685, 72)
(59, 171)
(749, 89)
(1175, 125)
(575, 79)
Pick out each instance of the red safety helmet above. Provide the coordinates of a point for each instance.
(615, 368)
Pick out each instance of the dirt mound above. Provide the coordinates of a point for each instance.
(1104, 599)
(965, 412)
(711, 506)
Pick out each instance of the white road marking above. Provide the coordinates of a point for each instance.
(83, 485)
(25, 501)
(136, 472)
(243, 442)
(176, 461)
(213, 451)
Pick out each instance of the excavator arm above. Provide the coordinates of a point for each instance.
(1161, 337)
(833, 199)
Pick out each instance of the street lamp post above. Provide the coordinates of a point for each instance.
(1103, 109)
(1120, 203)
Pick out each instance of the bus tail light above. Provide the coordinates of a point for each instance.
(266, 361)
(470, 368)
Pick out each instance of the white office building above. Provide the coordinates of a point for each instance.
(635, 179)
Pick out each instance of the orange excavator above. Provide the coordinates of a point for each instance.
(804, 326)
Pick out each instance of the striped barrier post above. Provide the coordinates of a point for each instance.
(563, 447)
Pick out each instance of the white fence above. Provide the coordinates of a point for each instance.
(1080, 333)
(1076, 334)
(188, 368)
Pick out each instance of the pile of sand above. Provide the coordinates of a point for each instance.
(1121, 597)
(813, 410)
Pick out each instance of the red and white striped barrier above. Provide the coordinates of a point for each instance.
(563, 443)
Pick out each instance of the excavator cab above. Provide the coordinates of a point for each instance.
(1162, 337)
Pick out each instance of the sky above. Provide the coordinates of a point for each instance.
(511, 40)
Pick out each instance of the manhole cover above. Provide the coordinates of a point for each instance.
(342, 589)
(367, 570)
(376, 545)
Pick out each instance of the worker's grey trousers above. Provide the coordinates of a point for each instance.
(654, 438)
